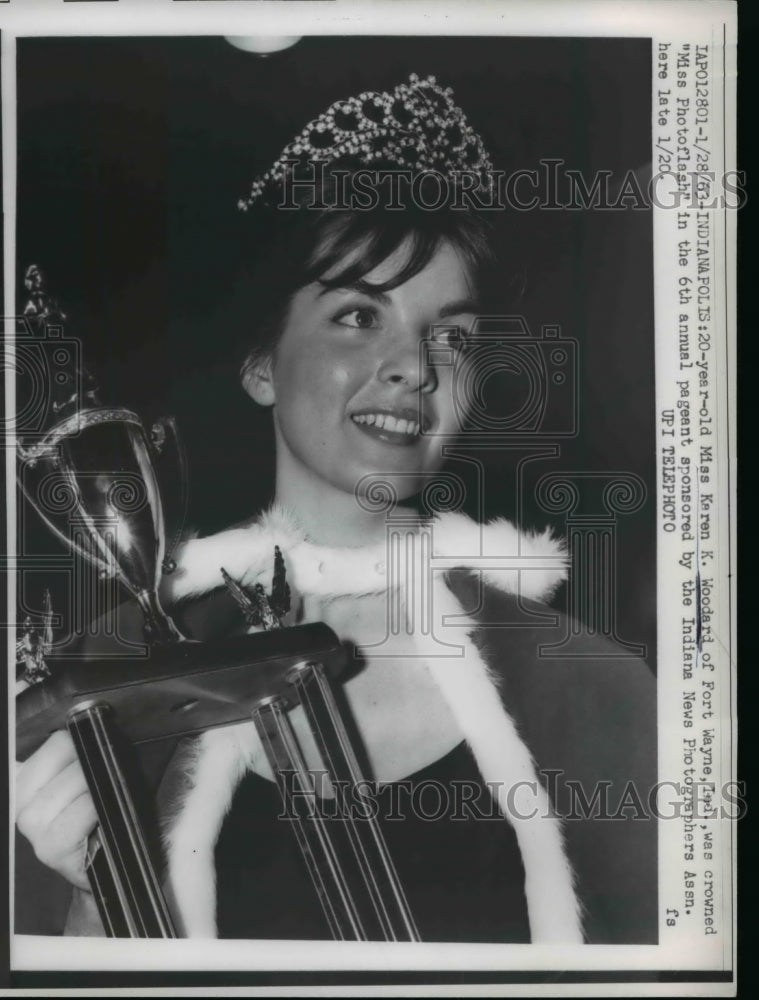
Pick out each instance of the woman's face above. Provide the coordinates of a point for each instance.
(362, 382)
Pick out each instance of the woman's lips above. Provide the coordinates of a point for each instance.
(398, 427)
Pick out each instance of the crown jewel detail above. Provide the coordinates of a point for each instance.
(416, 126)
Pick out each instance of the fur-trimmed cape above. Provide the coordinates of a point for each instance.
(531, 565)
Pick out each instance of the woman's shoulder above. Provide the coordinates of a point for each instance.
(582, 701)
(586, 710)
(542, 638)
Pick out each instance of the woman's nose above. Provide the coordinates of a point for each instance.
(407, 363)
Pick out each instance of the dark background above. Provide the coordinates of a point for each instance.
(133, 153)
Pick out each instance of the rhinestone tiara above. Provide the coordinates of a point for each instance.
(416, 127)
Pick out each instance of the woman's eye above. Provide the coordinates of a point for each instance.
(361, 319)
(451, 336)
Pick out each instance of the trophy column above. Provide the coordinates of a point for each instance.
(121, 873)
(339, 838)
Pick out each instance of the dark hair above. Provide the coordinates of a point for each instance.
(291, 248)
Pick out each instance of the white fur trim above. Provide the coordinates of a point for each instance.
(500, 553)
(243, 552)
(215, 765)
(506, 765)
(516, 562)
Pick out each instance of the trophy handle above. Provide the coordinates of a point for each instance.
(170, 462)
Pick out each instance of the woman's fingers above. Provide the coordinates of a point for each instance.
(62, 789)
(61, 842)
(64, 848)
(54, 809)
(55, 754)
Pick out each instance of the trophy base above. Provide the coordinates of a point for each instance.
(179, 689)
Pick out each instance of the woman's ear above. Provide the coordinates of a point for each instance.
(257, 380)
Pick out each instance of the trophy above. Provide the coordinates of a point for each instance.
(98, 479)
(93, 475)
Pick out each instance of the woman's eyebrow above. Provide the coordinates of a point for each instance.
(455, 308)
(358, 286)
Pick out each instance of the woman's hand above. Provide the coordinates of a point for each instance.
(54, 809)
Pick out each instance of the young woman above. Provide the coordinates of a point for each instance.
(356, 339)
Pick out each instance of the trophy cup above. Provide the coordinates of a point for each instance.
(91, 474)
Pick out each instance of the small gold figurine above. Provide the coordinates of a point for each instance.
(34, 645)
(262, 610)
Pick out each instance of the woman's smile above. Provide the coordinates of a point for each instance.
(356, 389)
(401, 427)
